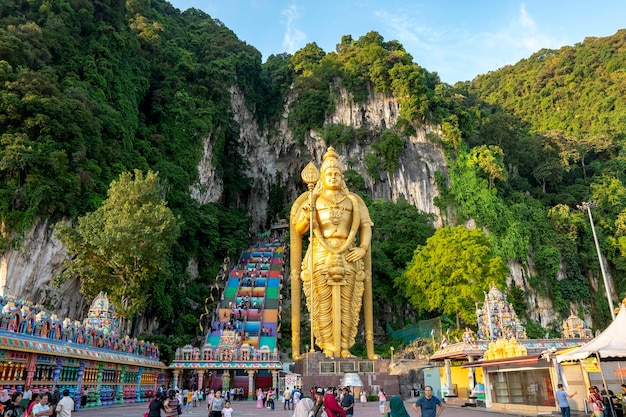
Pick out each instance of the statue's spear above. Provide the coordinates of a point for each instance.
(310, 175)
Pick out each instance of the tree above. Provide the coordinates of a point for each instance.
(489, 160)
(398, 229)
(554, 152)
(452, 271)
(123, 246)
(306, 59)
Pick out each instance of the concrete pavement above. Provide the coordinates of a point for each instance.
(248, 408)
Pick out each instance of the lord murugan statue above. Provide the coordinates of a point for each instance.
(336, 272)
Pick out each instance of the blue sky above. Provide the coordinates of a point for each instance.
(457, 39)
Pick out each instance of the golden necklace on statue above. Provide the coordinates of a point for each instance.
(336, 210)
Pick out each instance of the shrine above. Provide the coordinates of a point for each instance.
(509, 370)
(97, 365)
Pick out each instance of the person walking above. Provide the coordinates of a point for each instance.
(332, 407)
(382, 399)
(189, 399)
(318, 407)
(33, 403)
(607, 396)
(347, 402)
(216, 405)
(171, 404)
(287, 396)
(363, 398)
(303, 408)
(270, 398)
(426, 406)
(65, 406)
(562, 397)
(396, 407)
(156, 405)
(54, 400)
(596, 401)
(259, 398)
(43, 408)
(227, 411)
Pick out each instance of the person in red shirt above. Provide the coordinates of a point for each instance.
(333, 409)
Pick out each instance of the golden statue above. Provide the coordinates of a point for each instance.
(341, 267)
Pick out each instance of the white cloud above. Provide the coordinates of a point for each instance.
(407, 31)
(525, 20)
(293, 38)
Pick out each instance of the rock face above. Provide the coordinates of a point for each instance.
(274, 158)
(209, 187)
(30, 270)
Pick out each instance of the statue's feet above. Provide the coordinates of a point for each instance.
(328, 353)
(346, 354)
(296, 357)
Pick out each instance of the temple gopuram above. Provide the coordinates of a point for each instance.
(97, 365)
(240, 347)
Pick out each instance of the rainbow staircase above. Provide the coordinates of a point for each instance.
(251, 300)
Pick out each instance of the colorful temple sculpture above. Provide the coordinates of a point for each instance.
(240, 349)
(98, 366)
(497, 318)
(574, 328)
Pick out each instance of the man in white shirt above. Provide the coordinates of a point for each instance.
(28, 394)
(26, 398)
(66, 405)
(42, 409)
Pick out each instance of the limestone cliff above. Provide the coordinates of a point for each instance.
(274, 157)
(27, 273)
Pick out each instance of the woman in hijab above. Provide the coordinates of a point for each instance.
(397, 407)
(303, 408)
(259, 398)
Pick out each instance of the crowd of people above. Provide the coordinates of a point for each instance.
(29, 404)
(334, 402)
(174, 402)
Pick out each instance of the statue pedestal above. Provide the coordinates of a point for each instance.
(318, 370)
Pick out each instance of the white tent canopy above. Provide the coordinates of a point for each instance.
(611, 343)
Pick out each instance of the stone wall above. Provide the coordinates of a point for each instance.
(311, 364)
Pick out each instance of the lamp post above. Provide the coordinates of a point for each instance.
(391, 348)
(586, 206)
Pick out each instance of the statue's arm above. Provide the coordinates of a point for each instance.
(303, 218)
(365, 235)
(365, 231)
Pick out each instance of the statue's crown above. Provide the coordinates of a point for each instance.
(331, 160)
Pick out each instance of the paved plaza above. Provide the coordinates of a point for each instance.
(248, 408)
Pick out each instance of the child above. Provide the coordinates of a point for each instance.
(227, 411)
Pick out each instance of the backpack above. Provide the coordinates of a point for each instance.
(9, 412)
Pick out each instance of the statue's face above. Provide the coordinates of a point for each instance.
(332, 178)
